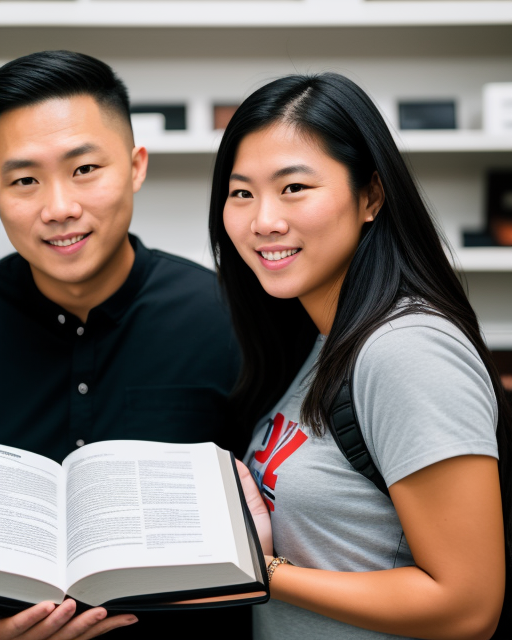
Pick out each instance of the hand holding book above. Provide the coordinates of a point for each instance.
(257, 507)
(45, 621)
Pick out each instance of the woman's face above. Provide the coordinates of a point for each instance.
(293, 218)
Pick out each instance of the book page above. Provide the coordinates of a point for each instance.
(31, 490)
(145, 504)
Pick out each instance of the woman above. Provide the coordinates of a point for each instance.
(334, 272)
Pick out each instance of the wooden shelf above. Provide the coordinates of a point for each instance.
(254, 13)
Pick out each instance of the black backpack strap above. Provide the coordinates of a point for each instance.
(347, 434)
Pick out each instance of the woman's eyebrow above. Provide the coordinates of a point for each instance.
(295, 168)
(240, 177)
(280, 173)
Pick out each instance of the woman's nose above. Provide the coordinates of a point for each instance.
(269, 219)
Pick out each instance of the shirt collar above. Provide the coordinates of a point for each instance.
(114, 307)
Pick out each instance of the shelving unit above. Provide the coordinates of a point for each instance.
(253, 13)
(202, 52)
(457, 141)
(484, 259)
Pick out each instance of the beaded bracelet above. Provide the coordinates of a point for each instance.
(272, 566)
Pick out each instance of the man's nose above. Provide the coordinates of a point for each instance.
(60, 204)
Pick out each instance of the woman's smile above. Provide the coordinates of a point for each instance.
(278, 255)
(276, 258)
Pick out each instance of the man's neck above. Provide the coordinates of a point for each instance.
(79, 298)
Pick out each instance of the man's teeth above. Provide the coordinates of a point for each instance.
(67, 242)
(278, 255)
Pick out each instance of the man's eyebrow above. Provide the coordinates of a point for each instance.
(22, 163)
(80, 151)
(12, 165)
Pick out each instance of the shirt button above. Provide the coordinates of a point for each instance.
(80, 331)
(61, 318)
(80, 443)
(83, 388)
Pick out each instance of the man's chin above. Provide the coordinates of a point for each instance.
(65, 277)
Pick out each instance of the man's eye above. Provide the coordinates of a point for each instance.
(25, 182)
(240, 193)
(85, 169)
(294, 188)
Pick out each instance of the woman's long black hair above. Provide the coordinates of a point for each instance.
(399, 256)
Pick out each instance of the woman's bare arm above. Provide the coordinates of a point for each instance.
(452, 519)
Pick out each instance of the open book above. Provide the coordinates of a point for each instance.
(129, 525)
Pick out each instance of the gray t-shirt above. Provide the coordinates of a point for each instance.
(422, 395)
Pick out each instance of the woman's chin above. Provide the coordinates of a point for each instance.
(285, 293)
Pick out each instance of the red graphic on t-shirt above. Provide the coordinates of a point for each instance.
(277, 428)
(281, 443)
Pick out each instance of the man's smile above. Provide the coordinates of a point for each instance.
(66, 241)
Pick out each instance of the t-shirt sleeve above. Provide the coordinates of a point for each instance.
(422, 395)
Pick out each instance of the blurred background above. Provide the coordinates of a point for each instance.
(439, 70)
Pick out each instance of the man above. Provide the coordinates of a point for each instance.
(101, 338)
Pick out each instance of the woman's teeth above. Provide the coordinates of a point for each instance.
(67, 242)
(278, 255)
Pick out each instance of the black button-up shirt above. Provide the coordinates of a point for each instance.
(155, 361)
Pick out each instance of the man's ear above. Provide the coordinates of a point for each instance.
(375, 197)
(139, 167)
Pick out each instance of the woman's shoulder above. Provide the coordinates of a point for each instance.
(415, 333)
(422, 393)
(420, 346)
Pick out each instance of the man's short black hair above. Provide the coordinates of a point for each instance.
(46, 75)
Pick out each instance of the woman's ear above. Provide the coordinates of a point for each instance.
(375, 197)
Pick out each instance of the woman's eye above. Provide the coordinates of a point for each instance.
(25, 182)
(85, 169)
(294, 188)
(241, 193)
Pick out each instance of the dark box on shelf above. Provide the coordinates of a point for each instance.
(499, 206)
(498, 229)
(434, 114)
(477, 239)
(175, 114)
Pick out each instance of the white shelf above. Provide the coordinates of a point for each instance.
(498, 336)
(479, 259)
(178, 142)
(457, 141)
(254, 13)
(170, 142)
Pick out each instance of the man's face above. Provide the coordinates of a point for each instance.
(68, 172)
